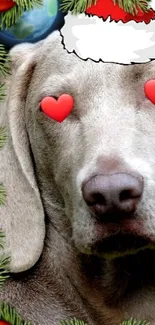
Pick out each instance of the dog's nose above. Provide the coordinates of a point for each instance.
(113, 196)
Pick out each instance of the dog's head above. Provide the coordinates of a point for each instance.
(97, 166)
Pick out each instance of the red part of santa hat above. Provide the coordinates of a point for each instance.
(109, 9)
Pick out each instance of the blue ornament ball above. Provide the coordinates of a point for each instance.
(34, 25)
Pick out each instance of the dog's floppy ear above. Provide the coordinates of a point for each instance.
(22, 216)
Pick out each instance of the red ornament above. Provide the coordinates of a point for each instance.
(6, 5)
(117, 14)
(149, 89)
(58, 109)
(3, 322)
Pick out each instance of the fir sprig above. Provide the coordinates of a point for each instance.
(4, 262)
(132, 6)
(4, 269)
(73, 321)
(3, 136)
(9, 314)
(4, 61)
(10, 17)
(133, 321)
(76, 6)
(2, 194)
(2, 95)
(80, 6)
(1, 240)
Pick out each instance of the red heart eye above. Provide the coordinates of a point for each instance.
(57, 108)
(149, 89)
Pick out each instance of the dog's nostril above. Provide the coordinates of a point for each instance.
(125, 195)
(116, 194)
(97, 198)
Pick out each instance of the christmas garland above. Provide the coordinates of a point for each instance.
(8, 314)
(4, 260)
(80, 6)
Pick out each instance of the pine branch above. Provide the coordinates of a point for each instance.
(4, 71)
(2, 94)
(132, 6)
(80, 6)
(4, 262)
(73, 321)
(28, 4)
(1, 240)
(9, 314)
(2, 194)
(10, 17)
(133, 321)
(4, 269)
(76, 6)
(3, 137)
(4, 61)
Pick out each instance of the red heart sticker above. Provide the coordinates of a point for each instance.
(58, 109)
(149, 89)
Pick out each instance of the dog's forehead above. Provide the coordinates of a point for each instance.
(67, 71)
(88, 71)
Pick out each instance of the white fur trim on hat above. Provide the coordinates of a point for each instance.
(94, 38)
(152, 4)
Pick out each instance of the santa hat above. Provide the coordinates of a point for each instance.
(107, 32)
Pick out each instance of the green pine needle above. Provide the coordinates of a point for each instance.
(3, 136)
(4, 61)
(4, 269)
(2, 195)
(73, 321)
(132, 6)
(80, 6)
(2, 94)
(29, 4)
(1, 240)
(10, 17)
(133, 321)
(10, 315)
(4, 262)
(76, 6)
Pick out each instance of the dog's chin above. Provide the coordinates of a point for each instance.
(118, 245)
(121, 245)
(110, 239)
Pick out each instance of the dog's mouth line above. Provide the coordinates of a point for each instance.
(119, 245)
(115, 254)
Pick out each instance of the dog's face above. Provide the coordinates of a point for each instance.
(101, 158)
(109, 134)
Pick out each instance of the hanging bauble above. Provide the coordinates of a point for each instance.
(6, 5)
(3, 322)
(34, 25)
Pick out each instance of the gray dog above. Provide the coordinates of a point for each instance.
(88, 181)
